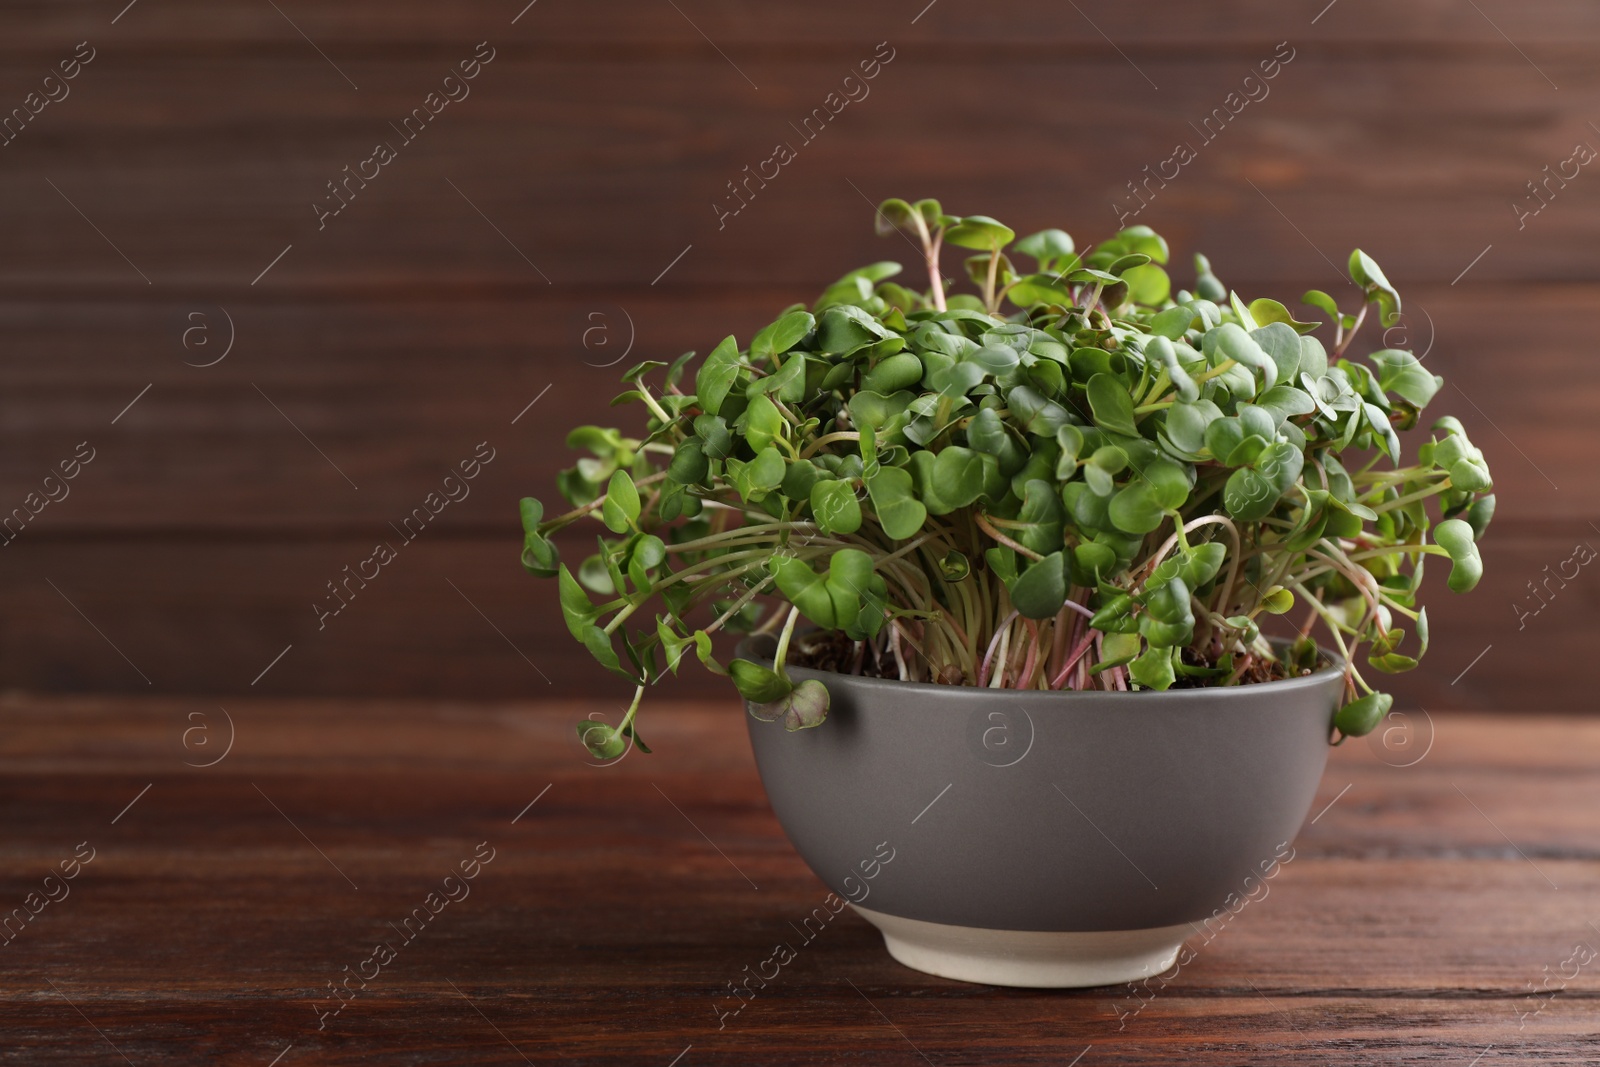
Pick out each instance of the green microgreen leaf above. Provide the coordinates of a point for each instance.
(941, 487)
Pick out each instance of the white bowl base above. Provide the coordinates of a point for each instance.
(1029, 959)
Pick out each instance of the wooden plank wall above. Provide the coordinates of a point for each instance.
(162, 208)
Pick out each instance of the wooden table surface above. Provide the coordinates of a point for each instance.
(1446, 874)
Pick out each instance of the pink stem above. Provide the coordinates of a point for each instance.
(1079, 608)
(1033, 655)
(1060, 638)
(1072, 660)
(994, 643)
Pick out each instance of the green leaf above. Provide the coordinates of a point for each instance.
(755, 479)
(834, 504)
(954, 478)
(1277, 601)
(849, 582)
(1091, 274)
(1037, 413)
(806, 706)
(1265, 311)
(1321, 301)
(621, 510)
(601, 739)
(602, 441)
(869, 410)
(782, 335)
(531, 511)
(717, 374)
(1455, 537)
(1153, 670)
(598, 642)
(672, 645)
(758, 684)
(1248, 630)
(1281, 464)
(1187, 424)
(1032, 289)
(1249, 495)
(1231, 342)
(1365, 272)
(539, 554)
(1401, 373)
(1202, 563)
(1041, 590)
(702, 648)
(675, 372)
(1046, 245)
(805, 589)
(638, 370)
(1286, 401)
(1169, 602)
(845, 328)
(1087, 508)
(576, 609)
(994, 359)
(595, 575)
(1360, 717)
(1112, 405)
(1145, 240)
(1147, 285)
(1043, 513)
(1127, 262)
(1091, 563)
(955, 566)
(979, 232)
(987, 433)
(1135, 509)
(788, 381)
(1003, 562)
(1169, 482)
(1392, 662)
(894, 214)
(875, 272)
(1282, 345)
(1172, 323)
(900, 513)
(1117, 647)
(1206, 284)
(763, 424)
(689, 465)
(716, 439)
(900, 371)
(1479, 516)
(955, 379)
(799, 478)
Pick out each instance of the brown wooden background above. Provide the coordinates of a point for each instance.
(409, 329)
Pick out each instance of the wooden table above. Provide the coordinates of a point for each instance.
(619, 902)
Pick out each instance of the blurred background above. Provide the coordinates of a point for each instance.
(275, 342)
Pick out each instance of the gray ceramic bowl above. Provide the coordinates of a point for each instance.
(1045, 839)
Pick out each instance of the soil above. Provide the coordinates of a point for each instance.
(832, 651)
(1258, 671)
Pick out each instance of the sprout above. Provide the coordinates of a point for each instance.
(1077, 478)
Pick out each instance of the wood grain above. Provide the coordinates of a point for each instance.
(610, 192)
(1404, 930)
(375, 25)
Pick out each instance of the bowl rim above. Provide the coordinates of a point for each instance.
(1315, 679)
